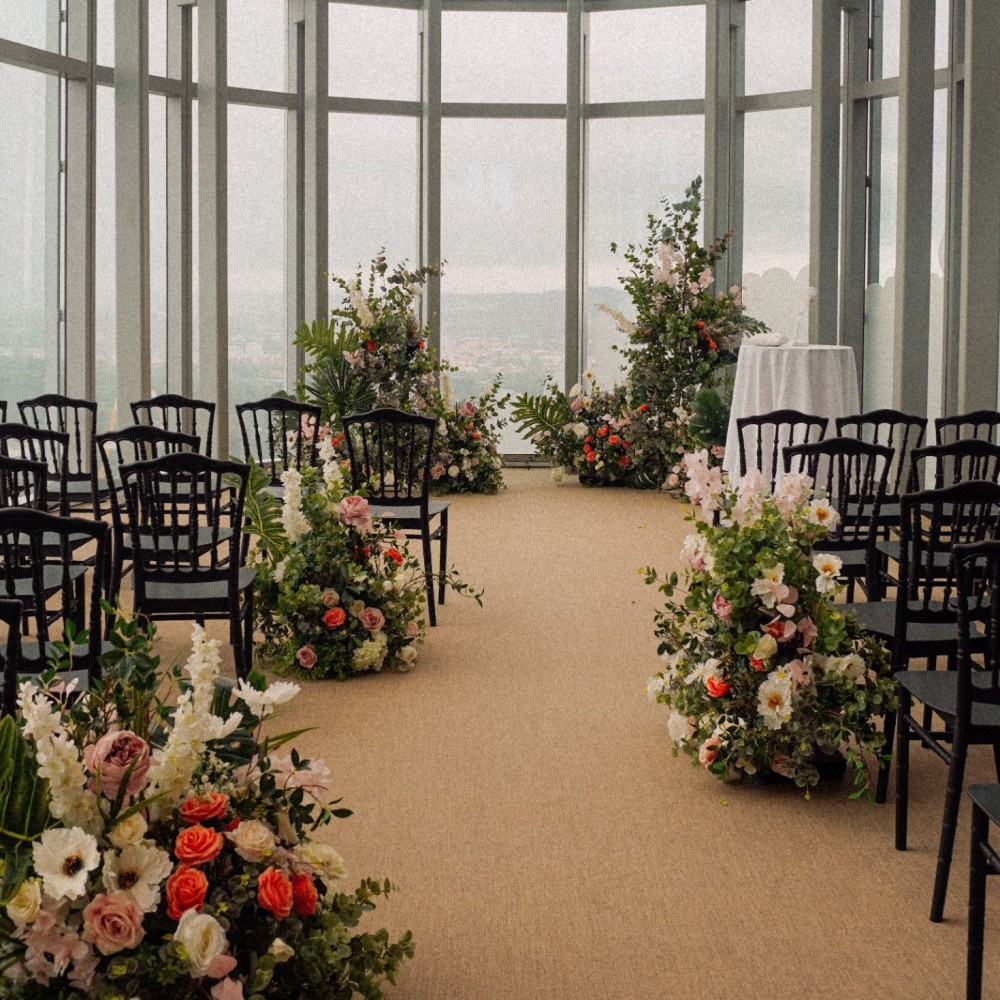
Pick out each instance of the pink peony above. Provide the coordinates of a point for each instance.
(467, 409)
(111, 756)
(354, 510)
(719, 451)
(372, 619)
(112, 922)
(709, 751)
(723, 609)
(306, 656)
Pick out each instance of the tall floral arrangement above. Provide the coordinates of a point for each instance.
(681, 337)
(761, 671)
(166, 846)
(373, 351)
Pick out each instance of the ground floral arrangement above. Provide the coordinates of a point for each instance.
(156, 846)
(761, 672)
(337, 592)
(373, 352)
(681, 341)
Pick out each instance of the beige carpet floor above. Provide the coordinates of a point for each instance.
(519, 788)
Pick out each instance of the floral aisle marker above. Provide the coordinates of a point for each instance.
(760, 670)
(683, 336)
(152, 850)
(373, 352)
(338, 591)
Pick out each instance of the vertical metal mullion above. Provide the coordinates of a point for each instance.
(54, 110)
(316, 153)
(575, 335)
(295, 43)
(213, 215)
(79, 249)
(875, 147)
(430, 164)
(180, 202)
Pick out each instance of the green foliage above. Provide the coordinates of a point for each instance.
(710, 422)
(263, 517)
(328, 377)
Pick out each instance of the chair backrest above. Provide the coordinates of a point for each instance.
(980, 424)
(279, 434)
(180, 414)
(958, 462)
(58, 591)
(51, 448)
(23, 483)
(185, 514)
(762, 438)
(931, 523)
(853, 475)
(977, 579)
(897, 430)
(3, 411)
(10, 615)
(390, 453)
(77, 418)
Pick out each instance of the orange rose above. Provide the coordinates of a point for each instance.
(186, 890)
(197, 845)
(274, 892)
(395, 555)
(717, 687)
(199, 808)
(334, 618)
(591, 456)
(614, 439)
(304, 895)
(602, 432)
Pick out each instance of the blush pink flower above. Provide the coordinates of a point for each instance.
(227, 989)
(355, 512)
(801, 674)
(808, 631)
(306, 656)
(467, 409)
(576, 404)
(437, 471)
(372, 619)
(780, 629)
(112, 922)
(412, 630)
(110, 758)
(709, 751)
(723, 609)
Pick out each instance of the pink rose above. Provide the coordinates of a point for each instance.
(576, 404)
(719, 451)
(467, 409)
(330, 598)
(723, 609)
(437, 471)
(112, 922)
(354, 511)
(808, 631)
(306, 657)
(372, 619)
(412, 630)
(709, 751)
(110, 758)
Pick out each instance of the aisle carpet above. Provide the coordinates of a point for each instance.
(519, 788)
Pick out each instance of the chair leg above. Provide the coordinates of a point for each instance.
(902, 768)
(952, 801)
(425, 538)
(444, 556)
(882, 786)
(977, 905)
(996, 759)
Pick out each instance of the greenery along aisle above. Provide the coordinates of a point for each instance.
(156, 843)
(682, 337)
(761, 671)
(373, 352)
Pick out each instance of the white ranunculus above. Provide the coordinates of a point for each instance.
(63, 858)
(27, 901)
(203, 939)
(281, 951)
(252, 840)
(128, 831)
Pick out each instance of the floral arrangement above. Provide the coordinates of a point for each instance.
(374, 352)
(761, 671)
(338, 591)
(156, 849)
(681, 340)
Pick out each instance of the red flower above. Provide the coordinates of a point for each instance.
(421, 345)
(717, 687)
(624, 461)
(197, 845)
(699, 324)
(614, 439)
(758, 665)
(334, 618)
(274, 892)
(475, 435)
(626, 444)
(591, 456)
(395, 555)
(370, 345)
(602, 432)
(644, 407)
(201, 807)
(304, 895)
(589, 439)
(186, 890)
(711, 344)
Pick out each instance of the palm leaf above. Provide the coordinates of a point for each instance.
(532, 414)
(263, 516)
(24, 796)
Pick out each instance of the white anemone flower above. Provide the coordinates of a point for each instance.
(774, 701)
(64, 857)
(138, 870)
(820, 512)
(827, 570)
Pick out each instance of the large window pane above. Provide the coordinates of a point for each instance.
(372, 207)
(880, 295)
(158, 37)
(106, 32)
(503, 56)
(256, 44)
(503, 236)
(776, 219)
(778, 46)
(647, 55)
(885, 27)
(27, 357)
(31, 22)
(257, 320)
(112, 412)
(621, 193)
(374, 53)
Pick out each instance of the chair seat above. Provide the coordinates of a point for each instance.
(854, 560)
(213, 593)
(891, 550)
(987, 797)
(52, 579)
(205, 540)
(407, 514)
(938, 690)
(880, 617)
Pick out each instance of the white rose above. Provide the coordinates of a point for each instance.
(323, 860)
(252, 841)
(203, 939)
(27, 901)
(453, 471)
(281, 951)
(580, 429)
(128, 831)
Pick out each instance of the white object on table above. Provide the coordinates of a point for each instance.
(819, 379)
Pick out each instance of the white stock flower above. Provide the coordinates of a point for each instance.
(27, 901)
(138, 870)
(774, 701)
(263, 703)
(203, 939)
(63, 858)
(827, 568)
(293, 518)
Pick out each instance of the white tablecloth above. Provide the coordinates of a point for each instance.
(819, 379)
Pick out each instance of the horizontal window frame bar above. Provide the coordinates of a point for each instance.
(33, 59)
(784, 101)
